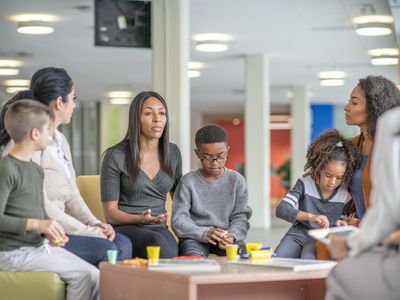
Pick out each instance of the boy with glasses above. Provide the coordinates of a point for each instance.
(210, 208)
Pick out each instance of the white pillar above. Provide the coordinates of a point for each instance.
(170, 44)
(257, 139)
(300, 134)
(197, 122)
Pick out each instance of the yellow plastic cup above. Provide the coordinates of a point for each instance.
(231, 252)
(153, 254)
(252, 246)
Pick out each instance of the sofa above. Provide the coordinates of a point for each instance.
(31, 286)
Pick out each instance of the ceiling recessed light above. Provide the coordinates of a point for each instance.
(15, 89)
(331, 82)
(212, 42)
(120, 94)
(372, 19)
(331, 74)
(194, 65)
(193, 73)
(120, 101)
(34, 17)
(383, 51)
(373, 25)
(384, 60)
(384, 56)
(34, 27)
(9, 63)
(201, 37)
(8, 71)
(17, 82)
(211, 46)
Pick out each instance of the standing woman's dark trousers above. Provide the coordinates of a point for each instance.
(149, 235)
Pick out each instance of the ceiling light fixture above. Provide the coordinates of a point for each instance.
(17, 82)
(34, 17)
(331, 78)
(9, 63)
(384, 56)
(34, 27)
(195, 65)
(15, 89)
(8, 71)
(373, 25)
(331, 82)
(212, 42)
(120, 101)
(120, 94)
(193, 73)
(332, 75)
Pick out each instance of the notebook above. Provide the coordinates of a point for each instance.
(323, 234)
(295, 264)
(206, 265)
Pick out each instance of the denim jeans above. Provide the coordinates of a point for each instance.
(94, 250)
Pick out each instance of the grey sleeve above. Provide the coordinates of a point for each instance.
(110, 176)
(287, 209)
(181, 222)
(239, 219)
(178, 169)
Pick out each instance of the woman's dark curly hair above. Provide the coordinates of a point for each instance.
(381, 95)
(332, 146)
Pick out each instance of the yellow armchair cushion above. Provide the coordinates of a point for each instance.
(89, 187)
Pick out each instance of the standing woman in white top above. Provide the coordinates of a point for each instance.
(89, 238)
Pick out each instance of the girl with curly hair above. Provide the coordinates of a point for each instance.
(319, 197)
(369, 99)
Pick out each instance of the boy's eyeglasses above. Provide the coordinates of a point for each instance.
(211, 159)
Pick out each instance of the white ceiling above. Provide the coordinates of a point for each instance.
(301, 37)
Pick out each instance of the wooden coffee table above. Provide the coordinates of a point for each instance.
(233, 282)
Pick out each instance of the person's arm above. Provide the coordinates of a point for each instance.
(118, 217)
(239, 218)
(8, 223)
(382, 217)
(182, 224)
(288, 208)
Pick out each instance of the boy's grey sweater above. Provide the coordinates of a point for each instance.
(200, 204)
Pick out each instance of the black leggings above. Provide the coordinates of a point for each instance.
(143, 236)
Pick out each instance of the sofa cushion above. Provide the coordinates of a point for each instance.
(31, 285)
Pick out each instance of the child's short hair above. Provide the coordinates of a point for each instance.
(211, 134)
(24, 115)
(332, 146)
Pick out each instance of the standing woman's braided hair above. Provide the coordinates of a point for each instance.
(331, 146)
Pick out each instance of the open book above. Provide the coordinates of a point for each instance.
(323, 234)
(296, 264)
(205, 265)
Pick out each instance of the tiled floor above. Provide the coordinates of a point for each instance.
(269, 237)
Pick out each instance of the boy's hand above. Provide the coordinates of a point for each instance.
(147, 219)
(321, 220)
(53, 231)
(227, 239)
(214, 235)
